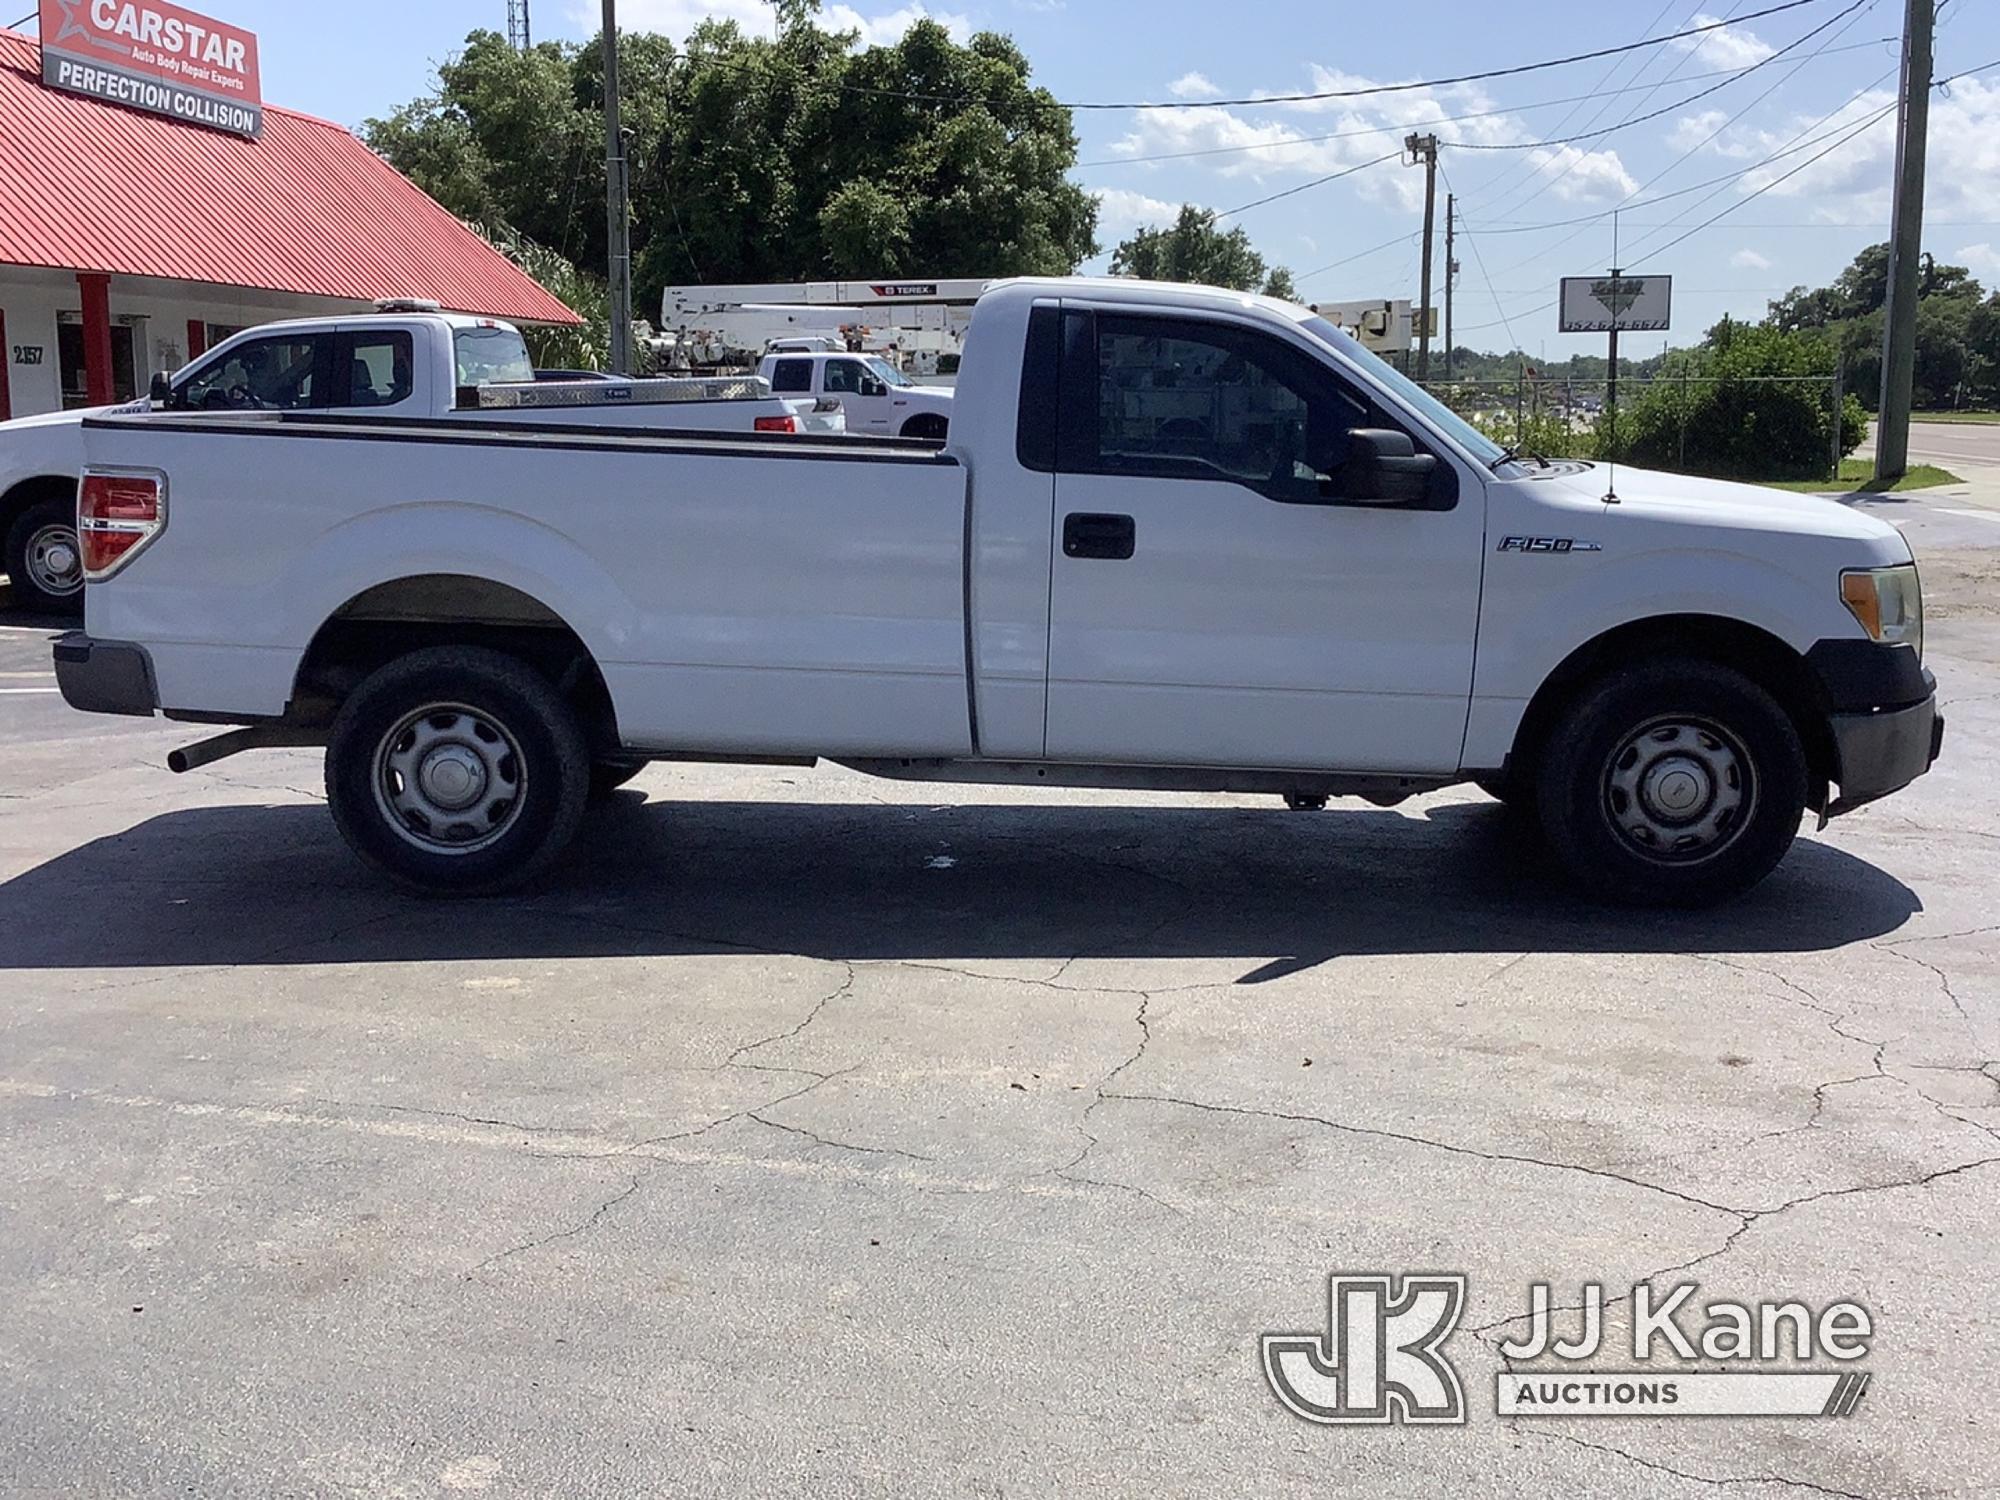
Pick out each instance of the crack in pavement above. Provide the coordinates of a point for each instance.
(561, 1234)
(735, 1058)
(1660, 1468)
(1943, 979)
(818, 1139)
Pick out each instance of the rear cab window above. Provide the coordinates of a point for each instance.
(791, 376)
(491, 354)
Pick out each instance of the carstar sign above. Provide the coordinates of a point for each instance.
(154, 56)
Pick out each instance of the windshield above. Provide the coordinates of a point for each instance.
(887, 373)
(492, 355)
(1440, 416)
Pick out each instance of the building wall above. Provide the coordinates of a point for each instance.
(34, 300)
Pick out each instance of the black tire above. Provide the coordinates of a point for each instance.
(29, 541)
(929, 426)
(1516, 793)
(493, 714)
(1668, 732)
(606, 776)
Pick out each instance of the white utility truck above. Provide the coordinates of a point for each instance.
(1179, 538)
(875, 395)
(409, 360)
(920, 322)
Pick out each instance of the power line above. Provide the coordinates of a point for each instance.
(1302, 187)
(1331, 265)
(1865, 125)
(1370, 91)
(1791, 147)
(1425, 124)
(1677, 105)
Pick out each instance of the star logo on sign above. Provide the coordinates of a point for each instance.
(71, 26)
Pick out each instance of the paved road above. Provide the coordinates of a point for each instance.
(814, 1135)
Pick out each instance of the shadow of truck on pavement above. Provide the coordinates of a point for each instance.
(1282, 890)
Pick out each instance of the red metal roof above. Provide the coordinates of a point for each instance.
(305, 208)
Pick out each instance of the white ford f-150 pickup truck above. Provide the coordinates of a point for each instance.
(1180, 538)
(408, 361)
(876, 396)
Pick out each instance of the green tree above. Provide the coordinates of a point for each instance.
(754, 159)
(1194, 249)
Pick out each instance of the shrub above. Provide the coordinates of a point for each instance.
(1721, 410)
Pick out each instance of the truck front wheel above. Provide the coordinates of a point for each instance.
(457, 771)
(1672, 783)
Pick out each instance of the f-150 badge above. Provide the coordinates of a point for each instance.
(1545, 544)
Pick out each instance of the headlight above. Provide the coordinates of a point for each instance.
(1888, 602)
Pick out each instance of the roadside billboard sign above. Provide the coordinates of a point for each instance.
(149, 55)
(1599, 304)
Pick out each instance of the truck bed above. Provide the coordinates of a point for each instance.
(740, 592)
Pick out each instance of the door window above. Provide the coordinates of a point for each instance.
(276, 374)
(1193, 400)
(379, 366)
(843, 377)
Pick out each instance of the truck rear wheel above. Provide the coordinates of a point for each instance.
(1674, 783)
(457, 771)
(44, 560)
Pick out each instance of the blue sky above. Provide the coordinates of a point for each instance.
(364, 57)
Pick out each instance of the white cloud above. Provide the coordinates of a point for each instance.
(1749, 260)
(1851, 183)
(1982, 260)
(1580, 176)
(1193, 86)
(676, 18)
(1120, 211)
(887, 30)
(1730, 47)
(1281, 140)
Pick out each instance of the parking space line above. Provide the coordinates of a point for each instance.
(22, 691)
(1977, 515)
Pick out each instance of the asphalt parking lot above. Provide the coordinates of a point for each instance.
(813, 1135)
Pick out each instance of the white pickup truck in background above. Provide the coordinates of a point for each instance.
(1180, 538)
(409, 361)
(876, 396)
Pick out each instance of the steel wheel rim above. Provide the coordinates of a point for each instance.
(55, 560)
(450, 779)
(1679, 789)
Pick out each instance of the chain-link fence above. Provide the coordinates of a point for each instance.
(1770, 427)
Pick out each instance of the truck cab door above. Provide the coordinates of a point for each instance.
(861, 394)
(374, 370)
(1217, 598)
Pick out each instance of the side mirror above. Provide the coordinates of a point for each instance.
(1383, 467)
(162, 389)
(870, 386)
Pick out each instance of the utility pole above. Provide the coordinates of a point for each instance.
(1423, 150)
(1450, 273)
(1906, 234)
(617, 216)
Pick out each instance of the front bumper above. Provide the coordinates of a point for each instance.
(105, 677)
(1882, 752)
